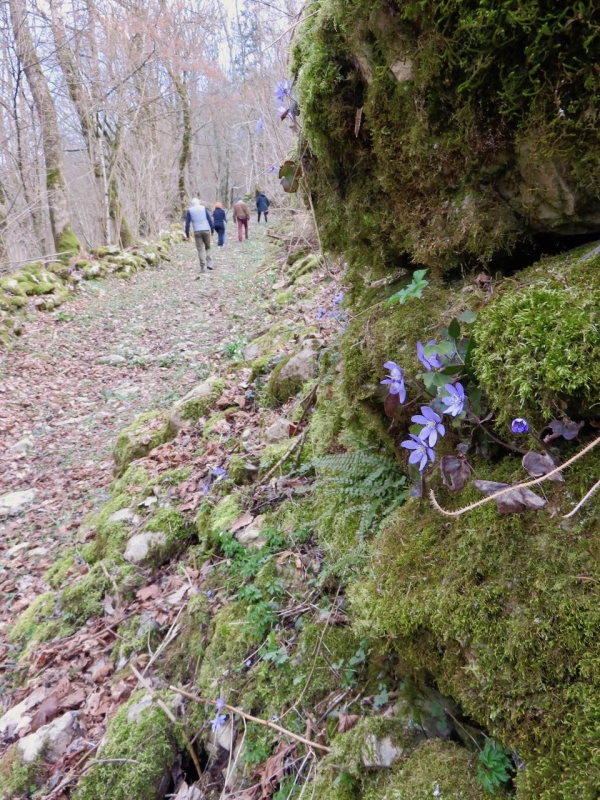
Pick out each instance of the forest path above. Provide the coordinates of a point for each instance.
(80, 374)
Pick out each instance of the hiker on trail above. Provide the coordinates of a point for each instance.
(241, 213)
(262, 205)
(200, 219)
(220, 220)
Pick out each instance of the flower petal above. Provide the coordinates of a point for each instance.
(415, 457)
(411, 445)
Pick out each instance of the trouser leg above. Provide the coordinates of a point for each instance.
(245, 222)
(200, 247)
(206, 238)
(221, 234)
(240, 229)
(259, 213)
(266, 216)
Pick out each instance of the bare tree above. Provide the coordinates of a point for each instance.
(65, 241)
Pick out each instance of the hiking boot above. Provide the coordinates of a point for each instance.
(209, 266)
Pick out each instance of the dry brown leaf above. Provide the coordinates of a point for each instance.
(241, 522)
(149, 592)
(274, 770)
(346, 722)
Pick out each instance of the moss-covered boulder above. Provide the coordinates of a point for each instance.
(537, 349)
(197, 403)
(290, 375)
(138, 439)
(445, 134)
(500, 612)
(142, 733)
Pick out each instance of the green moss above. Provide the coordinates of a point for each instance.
(149, 741)
(435, 769)
(283, 298)
(279, 390)
(67, 244)
(18, 777)
(232, 639)
(494, 609)
(83, 599)
(238, 470)
(227, 510)
(27, 624)
(196, 404)
(538, 341)
(178, 532)
(184, 656)
(273, 453)
(134, 477)
(138, 439)
(61, 568)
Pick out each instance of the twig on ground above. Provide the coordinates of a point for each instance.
(146, 684)
(286, 455)
(96, 762)
(583, 500)
(267, 723)
(515, 486)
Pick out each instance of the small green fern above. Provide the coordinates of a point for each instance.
(360, 488)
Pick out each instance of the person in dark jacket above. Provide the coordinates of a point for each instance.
(262, 206)
(220, 220)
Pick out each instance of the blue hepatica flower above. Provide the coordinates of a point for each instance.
(432, 425)
(282, 90)
(395, 380)
(455, 399)
(259, 127)
(218, 722)
(320, 313)
(220, 704)
(519, 425)
(429, 362)
(219, 472)
(421, 451)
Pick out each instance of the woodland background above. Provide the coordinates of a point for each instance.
(113, 113)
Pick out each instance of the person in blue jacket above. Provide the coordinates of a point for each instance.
(262, 205)
(220, 220)
(201, 221)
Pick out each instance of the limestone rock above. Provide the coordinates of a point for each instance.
(52, 739)
(126, 515)
(279, 431)
(380, 753)
(14, 502)
(138, 439)
(251, 535)
(113, 360)
(290, 374)
(402, 70)
(141, 547)
(196, 403)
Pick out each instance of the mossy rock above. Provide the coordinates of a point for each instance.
(138, 439)
(434, 769)
(142, 732)
(197, 403)
(232, 639)
(537, 349)
(290, 375)
(212, 522)
(18, 778)
(500, 621)
(466, 161)
(303, 267)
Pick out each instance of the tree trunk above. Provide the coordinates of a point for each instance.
(3, 225)
(186, 139)
(82, 101)
(65, 240)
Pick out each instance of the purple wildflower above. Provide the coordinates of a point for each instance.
(320, 313)
(259, 127)
(432, 423)
(519, 425)
(206, 487)
(220, 472)
(455, 399)
(273, 168)
(282, 90)
(429, 362)
(421, 451)
(395, 380)
(338, 299)
(220, 704)
(209, 593)
(218, 722)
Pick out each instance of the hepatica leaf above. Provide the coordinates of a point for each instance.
(455, 472)
(538, 464)
(513, 502)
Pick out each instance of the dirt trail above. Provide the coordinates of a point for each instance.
(81, 373)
